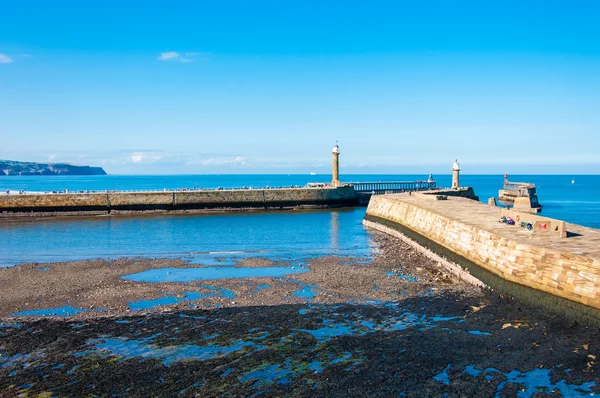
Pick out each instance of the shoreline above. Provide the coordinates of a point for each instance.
(395, 325)
(98, 283)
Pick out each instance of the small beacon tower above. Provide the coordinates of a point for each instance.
(455, 175)
(335, 181)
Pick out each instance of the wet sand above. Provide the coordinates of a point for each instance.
(395, 324)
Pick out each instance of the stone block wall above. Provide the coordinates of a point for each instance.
(150, 199)
(176, 200)
(31, 202)
(567, 275)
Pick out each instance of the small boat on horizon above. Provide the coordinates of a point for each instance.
(313, 173)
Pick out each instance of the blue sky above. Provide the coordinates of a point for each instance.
(269, 86)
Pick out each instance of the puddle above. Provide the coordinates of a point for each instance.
(479, 333)
(308, 291)
(43, 269)
(329, 332)
(305, 293)
(208, 273)
(66, 310)
(23, 360)
(347, 356)
(219, 292)
(268, 374)
(345, 325)
(443, 377)
(535, 381)
(227, 372)
(405, 277)
(470, 370)
(141, 305)
(261, 287)
(440, 318)
(140, 349)
(172, 299)
(4, 325)
(538, 380)
(316, 366)
(290, 368)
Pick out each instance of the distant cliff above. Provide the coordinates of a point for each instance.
(13, 168)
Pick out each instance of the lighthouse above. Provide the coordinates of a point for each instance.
(335, 181)
(455, 175)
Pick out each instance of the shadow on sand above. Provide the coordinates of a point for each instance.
(426, 346)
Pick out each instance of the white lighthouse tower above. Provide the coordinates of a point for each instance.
(455, 175)
(335, 180)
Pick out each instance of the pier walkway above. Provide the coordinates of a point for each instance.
(387, 187)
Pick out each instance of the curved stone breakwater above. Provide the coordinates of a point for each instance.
(173, 201)
(559, 273)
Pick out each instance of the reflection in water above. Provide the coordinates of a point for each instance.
(334, 230)
(210, 237)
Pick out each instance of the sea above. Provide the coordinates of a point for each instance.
(223, 238)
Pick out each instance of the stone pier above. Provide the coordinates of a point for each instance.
(169, 201)
(550, 267)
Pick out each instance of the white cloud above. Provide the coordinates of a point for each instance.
(5, 59)
(146, 157)
(137, 157)
(239, 161)
(219, 161)
(166, 56)
(175, 56)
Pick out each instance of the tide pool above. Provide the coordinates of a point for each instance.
(197, 274)
(66, 310)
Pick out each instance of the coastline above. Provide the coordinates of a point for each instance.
(396, 324)
(99, 283)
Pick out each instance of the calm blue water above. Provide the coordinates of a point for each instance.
(204, 238)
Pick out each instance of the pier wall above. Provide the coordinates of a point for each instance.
(120, 202)
(565, 272)
(466, 192)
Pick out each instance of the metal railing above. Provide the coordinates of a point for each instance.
(393, 186)
(153, 190)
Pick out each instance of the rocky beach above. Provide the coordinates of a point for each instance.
(392, 324)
